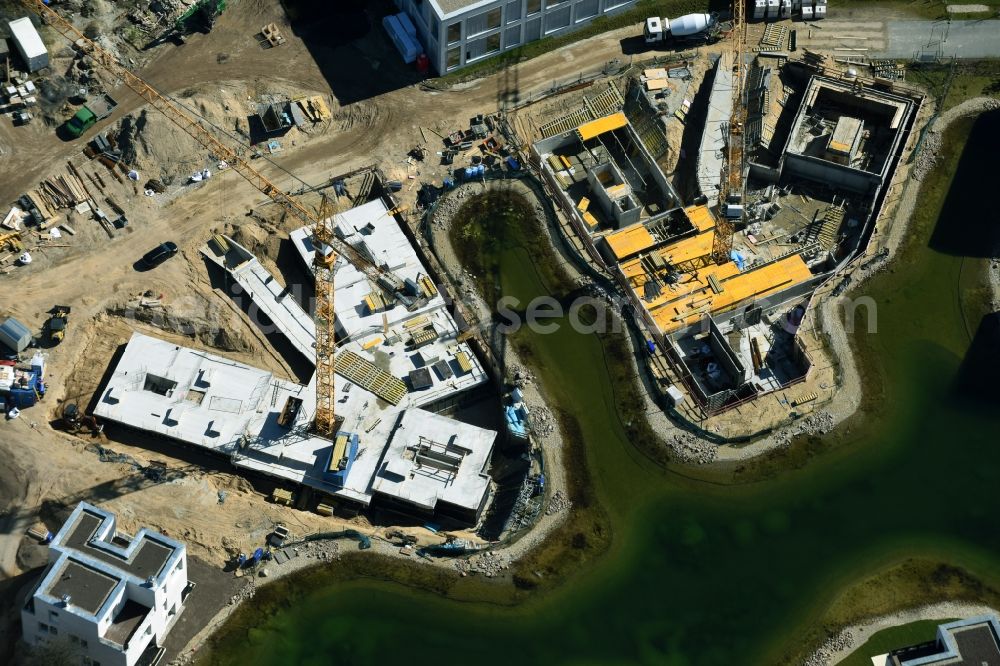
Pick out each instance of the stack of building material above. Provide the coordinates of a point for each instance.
(314, 108)
(655, 79)
(775, 38)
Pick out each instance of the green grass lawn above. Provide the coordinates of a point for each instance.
(972, 79)
(892, 639)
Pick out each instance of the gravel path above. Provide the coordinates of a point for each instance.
(545, 434)
(839, 647)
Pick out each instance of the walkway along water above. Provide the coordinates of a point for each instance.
(708, 573)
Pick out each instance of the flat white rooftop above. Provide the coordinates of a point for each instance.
(212, 402)
(386, 336)
(232, 409)
(432, 458)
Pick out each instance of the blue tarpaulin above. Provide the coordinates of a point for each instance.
(738, 259)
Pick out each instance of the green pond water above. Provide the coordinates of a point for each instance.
(703, 572)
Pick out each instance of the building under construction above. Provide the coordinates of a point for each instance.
(397, 364)
(819, 152)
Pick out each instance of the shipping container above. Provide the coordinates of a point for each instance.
(407, 24)
(29, 44)
(15, 335)
(405, 44)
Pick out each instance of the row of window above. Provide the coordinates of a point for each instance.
(75, 640)
(533, 29)
(491, 20)
(491, 44)
(54, 630)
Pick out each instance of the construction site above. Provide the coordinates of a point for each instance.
(223, 309)
(783, 182)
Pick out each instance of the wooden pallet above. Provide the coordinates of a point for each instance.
(370, 377)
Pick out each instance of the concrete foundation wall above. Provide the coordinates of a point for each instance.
(828, 173)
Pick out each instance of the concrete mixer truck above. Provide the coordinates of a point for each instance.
(690, 28)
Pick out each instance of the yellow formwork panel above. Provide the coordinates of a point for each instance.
(630, 240)
(339, 449)
(602, 125)
(675, 310)
(701, 217)
(686, 249)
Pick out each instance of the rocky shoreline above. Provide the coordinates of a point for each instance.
(839, 646)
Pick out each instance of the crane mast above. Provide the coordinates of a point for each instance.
(731, 186)
(327, 245)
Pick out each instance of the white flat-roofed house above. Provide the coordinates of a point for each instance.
(111, 597)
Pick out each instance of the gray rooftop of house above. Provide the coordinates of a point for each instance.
(146, 560)
(85, 587)
(126, 622)
(971, 642)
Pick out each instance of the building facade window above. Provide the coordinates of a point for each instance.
(480, 23)
(513, 11)
(557, 20)
(513, 37)
(493, 43)
(42, 627)
(534, 6)
(454, 32)
(587, 9)
(453, 58)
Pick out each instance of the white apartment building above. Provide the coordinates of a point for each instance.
(111, 596)
(455, 33)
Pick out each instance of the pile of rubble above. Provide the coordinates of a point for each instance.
(557, 503)
(815, 424)
(542, 422)
(834, 645)
(692, 449)
(521, 376)
(324, 551)
(489, 564)
(245, 593)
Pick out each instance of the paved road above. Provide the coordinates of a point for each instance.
(965, 39)
(900, 38)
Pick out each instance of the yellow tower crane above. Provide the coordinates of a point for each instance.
(328, 246)
(731, 187)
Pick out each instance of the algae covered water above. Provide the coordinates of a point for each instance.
(712, 573)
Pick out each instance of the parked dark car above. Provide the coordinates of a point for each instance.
(158, 255)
